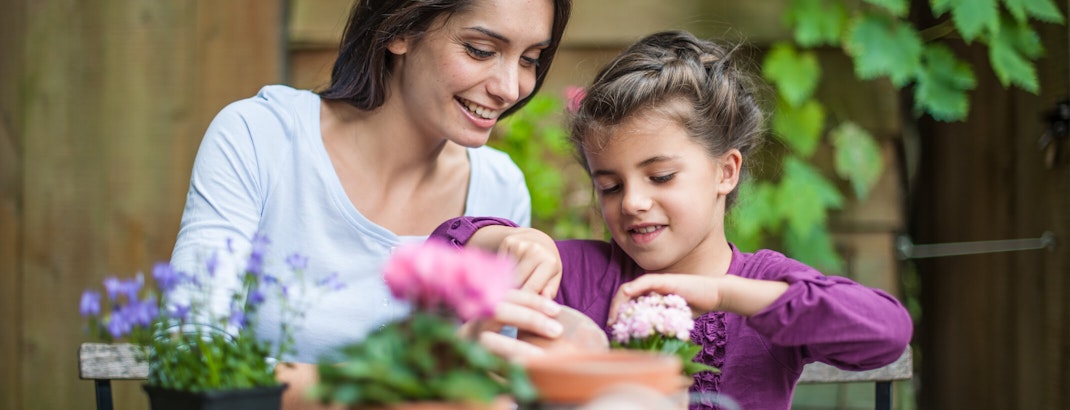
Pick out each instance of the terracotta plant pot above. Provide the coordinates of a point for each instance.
(502, 403)
(575, 378)
(580, 334)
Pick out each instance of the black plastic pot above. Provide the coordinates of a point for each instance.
(256, 398)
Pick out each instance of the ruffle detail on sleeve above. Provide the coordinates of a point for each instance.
(710, 331)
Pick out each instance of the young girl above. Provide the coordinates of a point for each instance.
(663, 132)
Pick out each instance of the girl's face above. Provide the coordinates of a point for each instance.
(662, 194)
(456, 80)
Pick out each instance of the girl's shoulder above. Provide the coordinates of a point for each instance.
(767, 264)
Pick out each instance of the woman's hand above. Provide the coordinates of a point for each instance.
(538, 263)
(526, 311)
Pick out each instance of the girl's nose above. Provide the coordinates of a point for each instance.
(635, 201)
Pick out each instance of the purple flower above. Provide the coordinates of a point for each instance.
(237, 318)
(256, 297)
(113, 286)
(90, 304)
(297, 261)
(213, 261)
(140, 313)
(255, 262)
(180, 311)
(118, 326)
(331, 282)
(166, 277)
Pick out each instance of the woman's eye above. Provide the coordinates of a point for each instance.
(662, 178)
(529, 61)
(478, 52)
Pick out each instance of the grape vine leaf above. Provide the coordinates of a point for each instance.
(882, 47)
(814, 248)
(971, 17)
(816, 22)
(898, 8)
(1010, 65)
(1043, 10)
(804, 196)
(857, 157)
(755, 208)
(942, 84)
(800, 127)
(795, 74)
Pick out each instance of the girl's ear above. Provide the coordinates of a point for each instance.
(730, 164)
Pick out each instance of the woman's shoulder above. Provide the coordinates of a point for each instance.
(494, 163)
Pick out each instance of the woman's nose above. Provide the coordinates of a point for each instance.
(505, 83)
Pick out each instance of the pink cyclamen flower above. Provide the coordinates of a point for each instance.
(471, 282)
(574, 97)
(644, 316)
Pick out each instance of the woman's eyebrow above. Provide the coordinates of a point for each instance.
(498, 36)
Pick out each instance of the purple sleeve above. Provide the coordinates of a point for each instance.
(458, 231)
(836, 320)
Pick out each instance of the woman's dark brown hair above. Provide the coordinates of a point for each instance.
(361, 71)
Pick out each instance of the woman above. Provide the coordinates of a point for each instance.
(389, 150)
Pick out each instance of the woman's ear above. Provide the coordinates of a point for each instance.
(730, 165)
(399, 45)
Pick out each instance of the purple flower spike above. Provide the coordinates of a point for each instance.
(213, 261)
(166, 277)
(90, 304)
(113, 286)
(297, 261)
(180, 311)
(331, 282)
(237, 318)
(256, 297)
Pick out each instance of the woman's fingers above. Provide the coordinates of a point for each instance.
(508, 347)
(529, 312)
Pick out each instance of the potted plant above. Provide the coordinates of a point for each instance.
(199, 358)
(420, 361)
(659, 323)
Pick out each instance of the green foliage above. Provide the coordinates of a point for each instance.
(882, 46)
(795, 74)
(943, 85)
(536, 140)
(790, 208)
(420, 358)
(683, 349)
(816, 22)
(858, 157)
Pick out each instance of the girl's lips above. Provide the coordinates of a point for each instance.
(645, 234)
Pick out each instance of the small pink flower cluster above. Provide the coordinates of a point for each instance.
(433, 275)
(640, 318)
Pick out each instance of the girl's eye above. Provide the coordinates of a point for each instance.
(662, 178)
(608, 189)
(478, 52)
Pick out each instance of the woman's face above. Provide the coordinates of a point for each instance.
(456, 80)
(662, 194)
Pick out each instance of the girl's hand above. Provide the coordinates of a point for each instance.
(524, 310)
(704, 294)
(700, 292)
(538, 263)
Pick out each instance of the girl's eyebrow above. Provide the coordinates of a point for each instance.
(649, 161)
(498, 36)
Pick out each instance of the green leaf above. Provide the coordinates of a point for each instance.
(898, 8)
(814, 248)
(971, 17)
(858, 157)
(805, 196)
(943, 83)
(754, 210)
(800, 127)
(1023, 37)
(1043, 10)
(1011, 67)
(794, 74)
(880, 46)
(816, 22)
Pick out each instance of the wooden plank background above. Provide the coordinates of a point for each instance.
(103, 104)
